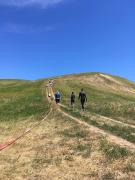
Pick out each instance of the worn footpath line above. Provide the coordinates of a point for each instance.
(100, 117)
(112, 138)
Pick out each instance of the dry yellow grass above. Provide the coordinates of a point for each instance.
(60, 149)
(107, 82)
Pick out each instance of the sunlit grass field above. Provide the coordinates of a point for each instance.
(110, 103)
(22, 99)
(117, 105)
(60, 148)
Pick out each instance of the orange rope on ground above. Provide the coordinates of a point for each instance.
(9, 143)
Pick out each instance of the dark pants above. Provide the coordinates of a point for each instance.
(57, 101)
(72, 102)
(82, 103)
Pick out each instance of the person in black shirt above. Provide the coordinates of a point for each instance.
(72, 99)
(82, 98)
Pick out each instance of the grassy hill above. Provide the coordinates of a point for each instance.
(107, 95)
(22, 99)
(60, 148)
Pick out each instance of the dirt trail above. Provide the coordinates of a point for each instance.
(100, 117)
(111, 79)
(113, 120)
(109, 137)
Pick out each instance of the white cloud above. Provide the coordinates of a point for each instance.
(24, 3)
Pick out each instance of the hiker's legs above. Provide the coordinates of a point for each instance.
(72, 103)
(57, 101)
(82, 103)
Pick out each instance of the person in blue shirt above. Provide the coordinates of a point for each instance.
(57, 97)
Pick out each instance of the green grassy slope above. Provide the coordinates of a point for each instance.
(22, 99)
(104, 101)
(107, 95)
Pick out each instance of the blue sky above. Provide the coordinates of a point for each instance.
(42, 38)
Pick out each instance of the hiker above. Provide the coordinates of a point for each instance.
(72, 99)
(83, 98)
(57, 97)
(50, 83)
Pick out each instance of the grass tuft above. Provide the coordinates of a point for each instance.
(74, 132)
(113, 152)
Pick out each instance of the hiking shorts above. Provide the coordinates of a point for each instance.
(57, 100)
